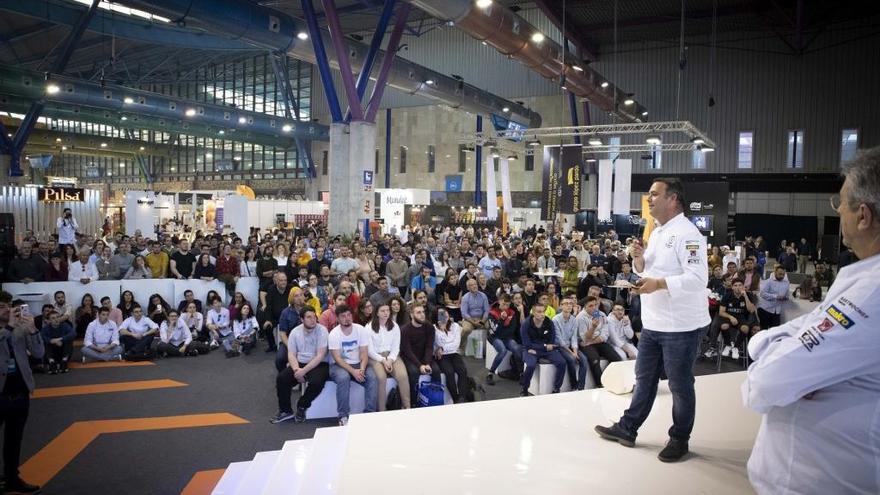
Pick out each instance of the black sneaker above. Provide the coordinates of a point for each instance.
(52, 369)
(674, 451)
(616, 434)
(525, 393)
(230, 354)
(271, 349)
(300, 415)
(64, 368)
(192, 352)
(18, 485)
(281, 417)
(490, 379)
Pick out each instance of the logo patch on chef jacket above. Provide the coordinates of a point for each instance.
(839, 316)
(693, 249)
(670, 242)
(810, 339)
(825, 325)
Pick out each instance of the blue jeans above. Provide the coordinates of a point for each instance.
(501, 348)
(554, 357)
(343, 380)
(674, 352)
(577, 368)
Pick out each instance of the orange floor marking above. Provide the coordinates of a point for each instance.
(203, 482)
(52, 458)
(108, 364)
(103, 388)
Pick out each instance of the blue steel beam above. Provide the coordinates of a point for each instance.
(387, 148)
(478, 155)
(387, 60)
(375, 45)
(140, 159)
(321, 60)
(291, 108)
(5, 142)
(30, 119)
(338, 39)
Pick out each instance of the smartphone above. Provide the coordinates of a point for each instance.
(25, 310)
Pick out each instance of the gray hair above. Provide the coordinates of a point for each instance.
(863, 173)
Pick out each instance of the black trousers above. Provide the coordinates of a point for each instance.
(174, 350)
(315, 379)
(136, 346)
(413, 373)
(452, 365)
(595, 353)
(59, 353)
(13, 415)
(266, 333)
(768, 320)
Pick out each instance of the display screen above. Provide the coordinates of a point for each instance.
(704, 223)
(514, 129)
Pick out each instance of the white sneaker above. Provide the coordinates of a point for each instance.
(734, 354)
(710, 353)
(214, 344)
(726, 351)
(343, 421)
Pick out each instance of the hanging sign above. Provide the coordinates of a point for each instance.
(61, 194)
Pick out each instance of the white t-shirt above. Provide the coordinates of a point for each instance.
(138, 326)
(349, 345)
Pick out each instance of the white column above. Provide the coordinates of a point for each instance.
(338, 164)
(361, 179)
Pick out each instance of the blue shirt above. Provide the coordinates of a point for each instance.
(474, 305)
(289, 320)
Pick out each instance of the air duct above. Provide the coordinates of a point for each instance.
(34, 85)
(46, 138)
(113, 118)
(512, 35)
(272, 29)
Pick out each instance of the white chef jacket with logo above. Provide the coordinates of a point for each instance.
(676, 252)
(816, 379)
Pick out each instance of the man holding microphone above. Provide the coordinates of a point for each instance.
(816, 378)
(674, 272)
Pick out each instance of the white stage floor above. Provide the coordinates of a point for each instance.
(546, 445)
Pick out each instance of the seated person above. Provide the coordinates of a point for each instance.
(737, 318)
(43, 317)
(447, 339)
(474, 309)
(101, 342)
(306, 352)
(384, 353)
(565, 327)
(137, 333)
(244, 327)
(539, 342)
(417, 349)
(195, 322)
(503, 329)
(593, 337)
(58, 339)
(115, 313)
(220, 326)
(348, 344)
(187, 299)
(620, 333)
(176, 338)
(809, 290)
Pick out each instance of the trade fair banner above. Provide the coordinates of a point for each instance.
(604, 206)
(550, 183)
(454, 183)
(507, 204)
(491, 190)
(622, 186)
(570, 184)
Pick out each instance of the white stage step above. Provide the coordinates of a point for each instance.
(257, 473)
(231, 478)
(289, 467)
(325, 461)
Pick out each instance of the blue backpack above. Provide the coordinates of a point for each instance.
(430, 394)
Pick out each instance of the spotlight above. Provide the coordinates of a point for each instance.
(645, 113)
(242, 120)
(534, 143)
(698, 140)
(123, 118)
(128, 100)
(538, 37)
(64, 148)
(221, 132)
(429, 82)
(604, 84)
(190, 112)
(208, 155)
(141, 148)
(302, 35)
(173, 169)
(591, 160)
(103, 145)
(237, 158)
(57, 140)
(594, 141)
(484, 3)
(286, 128)
(577, 68)
(628, 101)
(706, 149)
(52, 88)
(505, 109)
(653, 139)
(121, 164)
(495, 153)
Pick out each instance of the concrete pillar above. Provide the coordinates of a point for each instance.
(362, 180)
(338, 220)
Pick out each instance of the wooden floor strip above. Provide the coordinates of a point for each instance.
(52, 458)
(103, 388)
(203, 482)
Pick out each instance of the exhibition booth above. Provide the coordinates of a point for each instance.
(37, 208)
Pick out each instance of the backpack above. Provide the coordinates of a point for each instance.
(394, 401)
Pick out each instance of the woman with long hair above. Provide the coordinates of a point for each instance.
(69, 255)
(448, 294)
(157, 309)
(809, 290)
(238, 301)
(138, 269)
(244, 328)
(56, 269)
(399, 313)
(357, 285)
(281, 254)
(195, 321)
(126, 304)
(204, 269)
(384, 352)
(447, 340)
(364, 312)
(84, 314)
(365, 266)
(248, 265)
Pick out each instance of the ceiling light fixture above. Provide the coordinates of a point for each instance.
(645, 113)
(123, 118)
(128, 100)
(628, 101)
(103, 145)
(52, 88)
(429, 82)
(242, 120)
(698, 140)
(190, 112)
(505, 109)
(286, 128)
(484, 3)
(577, 68)
(594, 141)
(604, 84)
(653, 139)
(302, 35)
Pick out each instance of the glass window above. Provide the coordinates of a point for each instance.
(462, 158)
(431, 160)
(614, 147)
(376, 162)
(403, 159)
(744, 150)
(849, 144)
(324, 159)
(795, 145)
(530, 163)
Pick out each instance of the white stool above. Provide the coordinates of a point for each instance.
(476, 342)
(542, 380)
(620, 377)
(490, 357)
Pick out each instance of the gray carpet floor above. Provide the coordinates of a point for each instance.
(163, 461)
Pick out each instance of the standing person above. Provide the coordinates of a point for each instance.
(774, 293)
(19, 338)
(816, 378)
(675, 310)
(67, 227)
(348, 344)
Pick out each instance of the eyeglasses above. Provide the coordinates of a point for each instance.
(834, 200)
